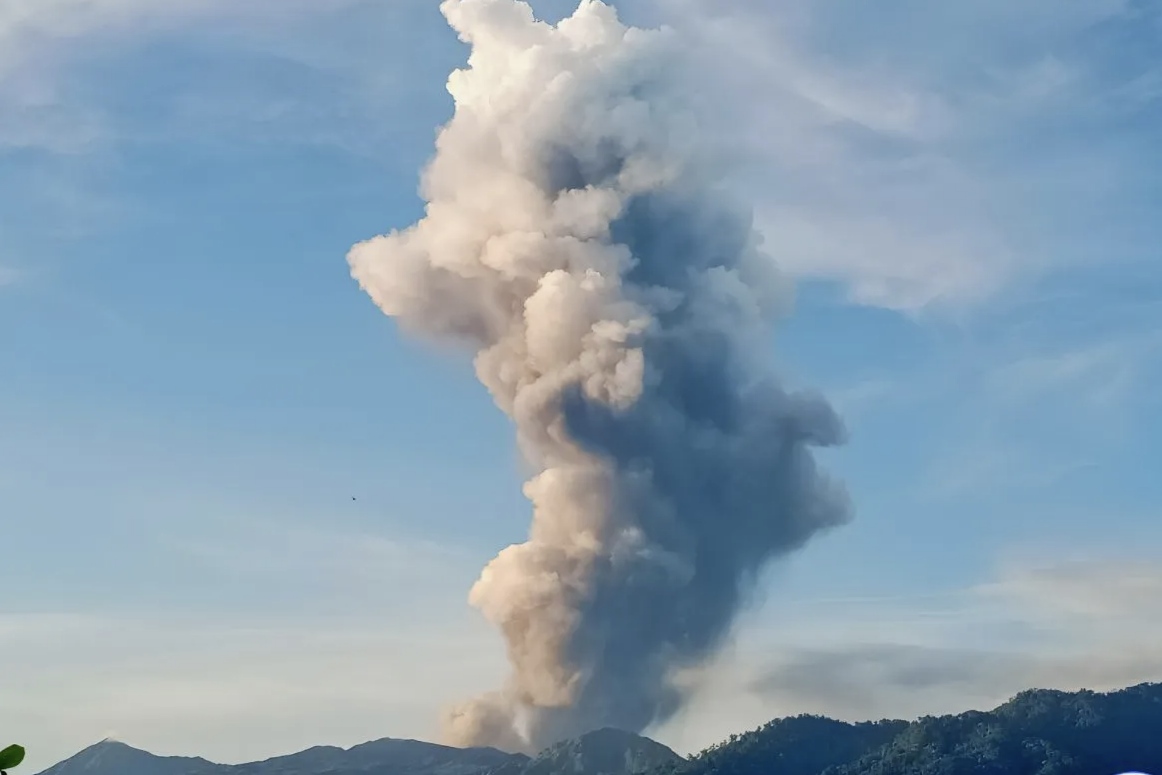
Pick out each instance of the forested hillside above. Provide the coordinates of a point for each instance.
(1038, 732)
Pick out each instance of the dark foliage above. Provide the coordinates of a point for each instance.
(1036, 733)
(802, 745)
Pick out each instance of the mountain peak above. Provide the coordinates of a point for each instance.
(606, 751)
(111, 743)
(110, 755)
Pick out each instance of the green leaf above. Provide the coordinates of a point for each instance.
(11, 756)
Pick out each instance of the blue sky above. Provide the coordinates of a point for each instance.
(193, 389)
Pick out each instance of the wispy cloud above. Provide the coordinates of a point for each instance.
(36, 41)
(1100, 376)
(895, 153)
(1091, 623)
(845, 176)
(992, 464)
(861, 682)
(42, 42)
(1030, 401)
(1120, 594)
(367, 565)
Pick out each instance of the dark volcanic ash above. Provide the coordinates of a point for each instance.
(577, 238)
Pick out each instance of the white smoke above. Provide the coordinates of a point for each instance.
(577, 240)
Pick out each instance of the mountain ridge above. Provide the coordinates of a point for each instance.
(384, 756)
(1037, 732)
(115, 756)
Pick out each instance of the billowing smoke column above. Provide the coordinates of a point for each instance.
(619, 310)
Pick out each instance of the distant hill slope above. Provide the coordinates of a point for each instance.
(112, 758)
(604, 752)
(1038, 732)
(379, 757)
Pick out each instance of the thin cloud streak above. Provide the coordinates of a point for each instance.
(1090, 622)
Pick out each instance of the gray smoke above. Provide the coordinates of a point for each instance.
(577, 239)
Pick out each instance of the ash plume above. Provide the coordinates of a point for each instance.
(578, 240)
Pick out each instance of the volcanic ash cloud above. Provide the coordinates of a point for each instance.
(578, 241)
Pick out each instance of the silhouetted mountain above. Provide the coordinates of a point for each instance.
(382, 757)
(110, 757)
(379, 757)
